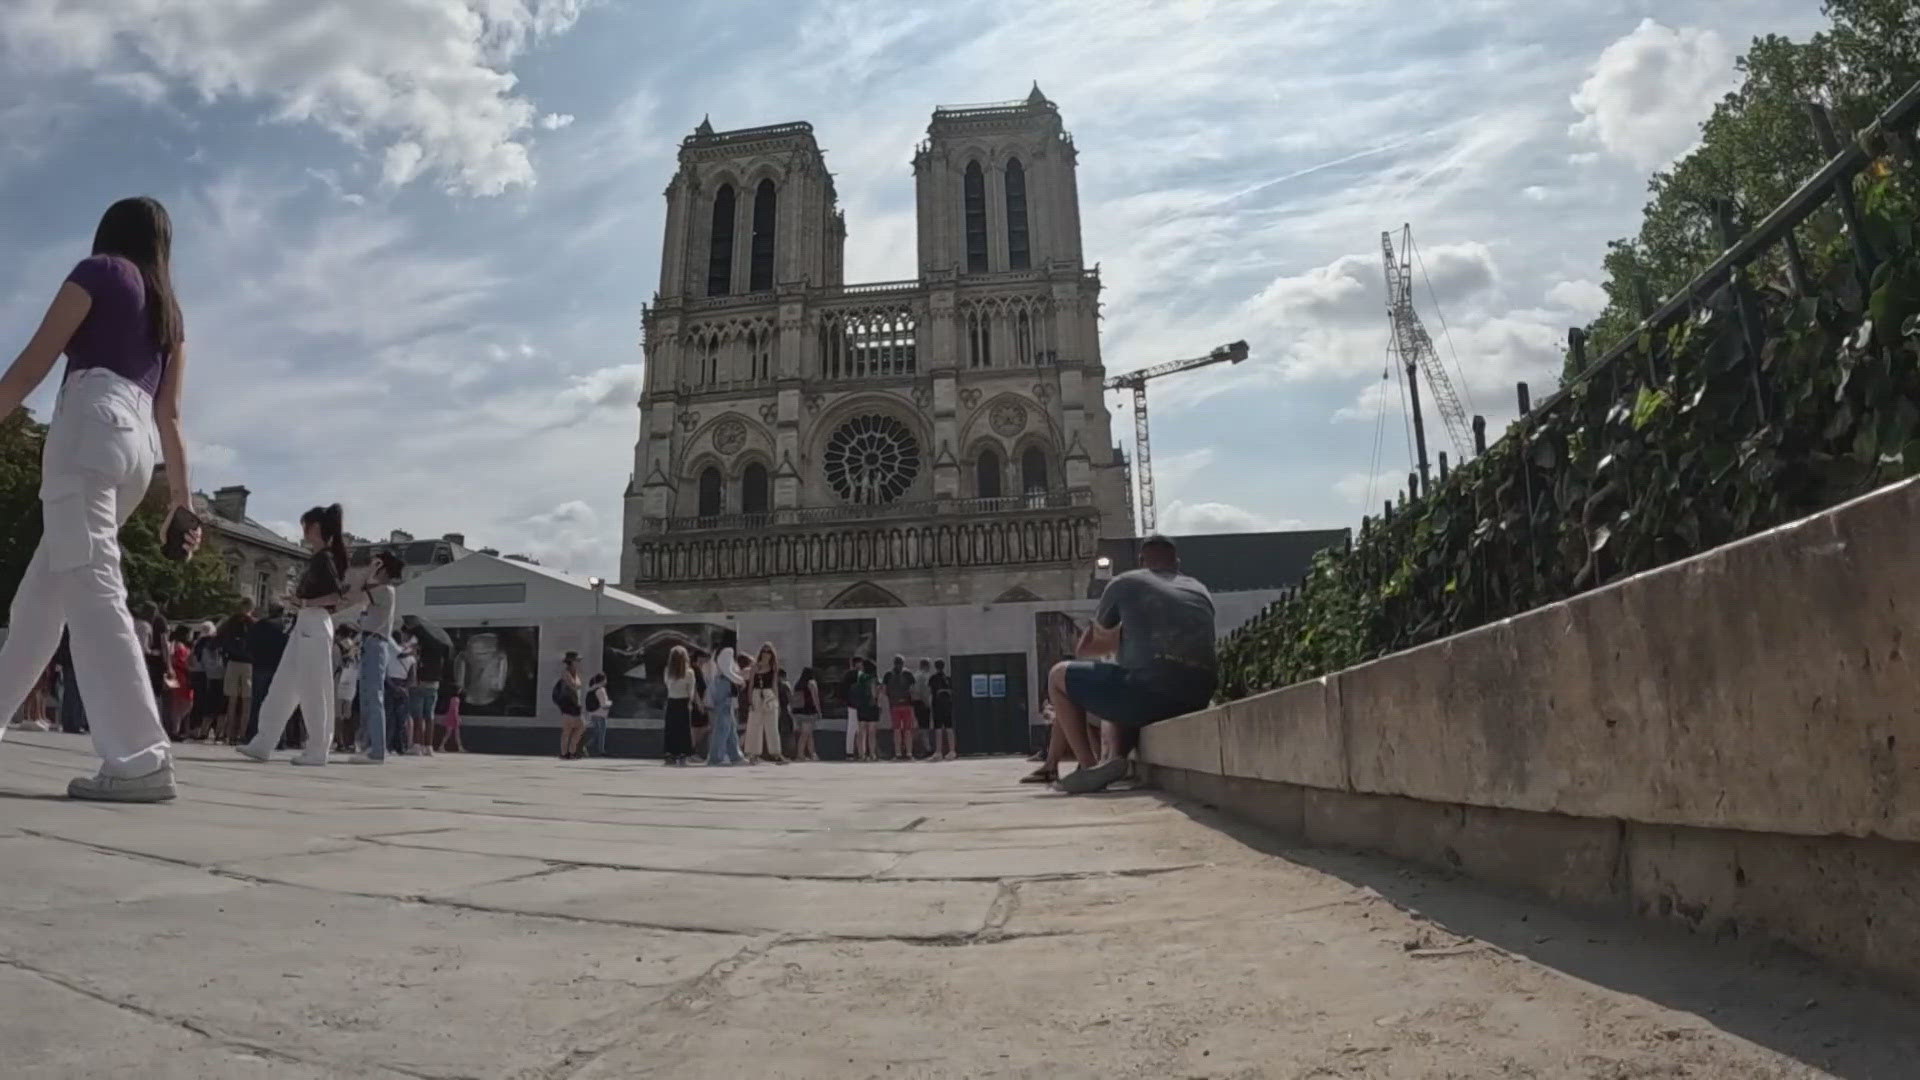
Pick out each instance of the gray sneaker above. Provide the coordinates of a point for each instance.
(1087, 781)
(156, 786)
(247, 751)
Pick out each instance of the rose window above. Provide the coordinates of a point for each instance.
(872, 459)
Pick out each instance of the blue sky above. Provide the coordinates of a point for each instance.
(414, 236)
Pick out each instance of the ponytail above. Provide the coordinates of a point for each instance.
(332, 527)
(329, 520)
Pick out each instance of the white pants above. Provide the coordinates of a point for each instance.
(763, 725)
(305, 682)
(97, 466)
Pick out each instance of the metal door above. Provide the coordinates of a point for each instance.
(990, 706)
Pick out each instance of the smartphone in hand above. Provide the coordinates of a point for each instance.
(182, 522)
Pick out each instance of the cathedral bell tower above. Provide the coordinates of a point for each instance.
(997, 190)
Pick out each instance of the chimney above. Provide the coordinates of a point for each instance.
(231, 503)
(399, 536)
(456, 539)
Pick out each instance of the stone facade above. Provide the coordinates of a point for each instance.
(263, 563)
(806, 443)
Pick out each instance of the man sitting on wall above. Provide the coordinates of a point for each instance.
(1158, 625)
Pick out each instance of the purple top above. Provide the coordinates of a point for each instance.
(115, 334)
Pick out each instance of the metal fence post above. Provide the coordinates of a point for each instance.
(1863, 256)
(1526, 402)
(1479, 435)
(1796, 266)
(1750, 329)
(1443, 466)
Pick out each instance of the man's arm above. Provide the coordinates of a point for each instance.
(1102, 635)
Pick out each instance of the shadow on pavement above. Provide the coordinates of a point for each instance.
(1766, 994)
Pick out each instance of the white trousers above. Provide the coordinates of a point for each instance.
(97, 466)
(763, 725)
(304, 681)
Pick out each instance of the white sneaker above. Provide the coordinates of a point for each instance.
(156, 786)
(303, 759)
(41, 725)
(365, 759)
(246, 750)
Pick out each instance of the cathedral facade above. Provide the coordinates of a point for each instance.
(807, 443)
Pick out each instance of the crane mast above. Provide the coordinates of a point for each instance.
(1136, 381)
(1414, 346)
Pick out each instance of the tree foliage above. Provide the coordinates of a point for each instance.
(1692, 438)
(1757, 147)
(198, 588)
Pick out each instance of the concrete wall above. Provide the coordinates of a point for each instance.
(1733, 740)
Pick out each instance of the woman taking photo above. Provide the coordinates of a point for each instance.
(763, 708)
(304, 679)
(116, 319)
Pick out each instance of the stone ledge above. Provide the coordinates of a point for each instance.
(1851, 901)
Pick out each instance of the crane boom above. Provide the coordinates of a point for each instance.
(1415, 348)
(1136, 381)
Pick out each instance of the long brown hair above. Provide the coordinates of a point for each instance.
(678, 663)
(773, 658)
(139, 231)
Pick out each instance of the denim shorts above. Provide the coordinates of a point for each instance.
(1112, 693)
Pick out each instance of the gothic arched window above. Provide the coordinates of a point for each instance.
(709, 491)
(976, 214)
(980, 339)
(986, 475)
(1033, 470)
(720, 250)
(1017, 257)
(753, 489)
(1023, 339)
(765, 202)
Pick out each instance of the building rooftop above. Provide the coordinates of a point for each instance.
(1238, 562)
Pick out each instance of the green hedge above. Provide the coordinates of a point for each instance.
(1685, 444)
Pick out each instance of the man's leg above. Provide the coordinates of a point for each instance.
(1069, 721)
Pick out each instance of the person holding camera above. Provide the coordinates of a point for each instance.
(116, 319)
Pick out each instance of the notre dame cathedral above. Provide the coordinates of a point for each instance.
(806, 443)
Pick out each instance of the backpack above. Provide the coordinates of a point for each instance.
(563, 696)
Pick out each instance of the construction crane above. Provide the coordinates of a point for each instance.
(1136, 381)
(1414, 347)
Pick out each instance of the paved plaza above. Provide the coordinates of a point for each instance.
(472, 916)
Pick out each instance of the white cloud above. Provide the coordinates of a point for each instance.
(1203, 518)
(1581, 297)
(1374, 397)
(1649, 91)
(431, 79)
(556, 121)
(1366, 493)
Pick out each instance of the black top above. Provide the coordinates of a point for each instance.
(940, 685)
(266, 641)
(233, 638)
(763, 680)
(319, 578)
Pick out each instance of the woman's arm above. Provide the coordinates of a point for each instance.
(69, 308)
(173, 443)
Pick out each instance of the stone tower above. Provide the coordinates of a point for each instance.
(806, 443)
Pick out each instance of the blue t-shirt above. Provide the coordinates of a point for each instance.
(116, 334)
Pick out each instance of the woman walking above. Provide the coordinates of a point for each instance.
(119, 409)
(449, 737)
(763, 712)
(679, 719)
(566, 695)
(723, 742)
(806, 713)
(304, 678)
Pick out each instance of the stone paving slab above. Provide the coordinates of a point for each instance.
(468, 916)
(877, 909)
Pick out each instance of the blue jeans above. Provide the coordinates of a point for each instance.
(399, 731)
(421, 703)
(375, 652)
(723, 742)
(597, 734)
